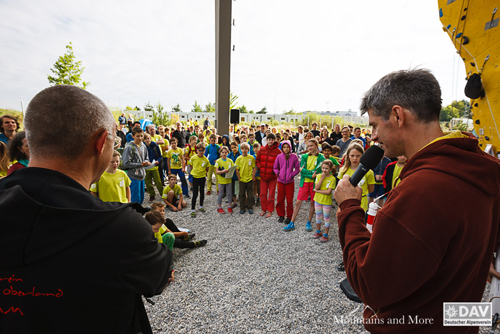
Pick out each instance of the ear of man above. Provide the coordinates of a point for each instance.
(101, 142)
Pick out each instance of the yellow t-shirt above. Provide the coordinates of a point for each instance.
(112, 187)
(228, 163)
(158, 234)
(177, 191)
(369, 178)
(395, 175)
(311, 164)
(328, 182)
(245, 166)
(164, 148)
(155, 138)
(175, 157)
(199, 166)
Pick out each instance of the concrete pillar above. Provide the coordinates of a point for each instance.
(222, 63)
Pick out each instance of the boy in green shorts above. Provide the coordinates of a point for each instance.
(172, 195)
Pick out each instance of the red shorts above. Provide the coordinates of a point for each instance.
(305, 191)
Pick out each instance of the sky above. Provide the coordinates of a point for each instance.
(303, 55)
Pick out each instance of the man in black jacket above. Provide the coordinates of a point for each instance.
(72, 263)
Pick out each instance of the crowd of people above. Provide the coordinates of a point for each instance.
(75, 214)
(247, 166)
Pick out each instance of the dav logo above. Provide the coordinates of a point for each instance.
(467, 314)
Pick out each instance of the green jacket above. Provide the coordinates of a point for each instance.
(304, 172)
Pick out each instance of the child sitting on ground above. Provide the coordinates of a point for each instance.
(182, 239)
(222, 167)
(114, 184)
(172, 195)
(325, 183)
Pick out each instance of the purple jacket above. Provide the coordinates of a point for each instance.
(286, 169)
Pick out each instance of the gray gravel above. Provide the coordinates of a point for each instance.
(251, 277)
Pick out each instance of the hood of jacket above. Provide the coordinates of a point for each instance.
(460, 157)
(32, 229)
(228, 141)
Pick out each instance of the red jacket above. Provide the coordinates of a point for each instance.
(265, 161)
(432, 242)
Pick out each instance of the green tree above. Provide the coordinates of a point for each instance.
(448, 112)
(291, 112)
(262, 111)
(210, 107)
(250, 112)
(148, 107)
(67, 71)
(196, 107)
(176, 108)
(160, 117)
(232, 101)
(243, 109)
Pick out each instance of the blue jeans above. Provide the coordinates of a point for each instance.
(183, 179)
(137, 191)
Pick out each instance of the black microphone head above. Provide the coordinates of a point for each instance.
(372, 157)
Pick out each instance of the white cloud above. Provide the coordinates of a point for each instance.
(289, 54)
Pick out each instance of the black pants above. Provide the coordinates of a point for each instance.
(179, 243)
(198, 186)
(246, 195)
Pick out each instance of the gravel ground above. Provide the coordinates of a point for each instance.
(251, 277)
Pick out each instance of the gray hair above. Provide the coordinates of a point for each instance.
(416, 90)
(78, 113)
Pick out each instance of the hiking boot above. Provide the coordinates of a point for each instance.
(317, 235)
(323, 239)
(309, 227)
(230, 210)
(340, 266)
(289, 227)
(281, 219)
(190, 235)
(193, 214)
(221, 210)
(200, 243)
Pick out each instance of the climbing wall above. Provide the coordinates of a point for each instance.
(474, 28)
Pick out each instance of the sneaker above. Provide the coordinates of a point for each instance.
(193, 214)
(200, 243)
(221, 210)
(209, 193)
(190, 235)
(287, 221)
(309, 227)
(230, 210)
(323, 239)
(289, 227)
(151, 198)
(317, 235)
(281, 219)
(250, 211)
(202, 210)
(340, 266)
(242, 211)
(187, 196)
(234, 205)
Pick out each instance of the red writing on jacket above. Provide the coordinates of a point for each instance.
(19, 293)
(11, 309)
(11, 279)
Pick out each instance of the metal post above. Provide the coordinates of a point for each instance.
(222, 63)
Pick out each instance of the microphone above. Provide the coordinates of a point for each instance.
(369, 160)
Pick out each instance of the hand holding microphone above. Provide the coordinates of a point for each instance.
(347, 187)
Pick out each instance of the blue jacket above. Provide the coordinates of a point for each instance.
(212, 153)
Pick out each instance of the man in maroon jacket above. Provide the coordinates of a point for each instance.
(265, 162)
(433, 240)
